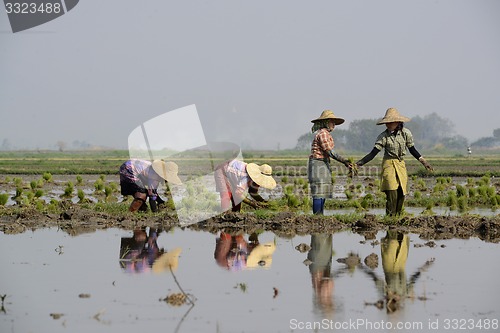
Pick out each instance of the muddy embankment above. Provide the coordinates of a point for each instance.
(76, 220)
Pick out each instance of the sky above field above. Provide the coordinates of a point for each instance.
(257, 71)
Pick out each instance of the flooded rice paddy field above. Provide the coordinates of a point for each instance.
(79, 269)
(185, 280)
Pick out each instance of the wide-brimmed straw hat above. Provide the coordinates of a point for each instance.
(168, 260)
(261, 255)
(261, 175)
(167, 171)
(328, 114)
(393, 116)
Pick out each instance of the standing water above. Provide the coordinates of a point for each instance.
(121, 281)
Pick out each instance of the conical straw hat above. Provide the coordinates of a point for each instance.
(261, 175)
(392, 116)
(328, 114)
(167, 171)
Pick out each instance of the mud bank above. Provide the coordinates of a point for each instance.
(76, 220)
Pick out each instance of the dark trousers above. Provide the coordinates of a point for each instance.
(394, 202)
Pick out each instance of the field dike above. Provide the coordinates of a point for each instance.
(76, 220)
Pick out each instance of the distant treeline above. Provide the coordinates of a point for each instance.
(429, 132)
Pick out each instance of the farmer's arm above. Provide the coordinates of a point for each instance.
(368, 157)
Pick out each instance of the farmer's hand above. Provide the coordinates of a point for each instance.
(425, 164)
(262, 204)
(251, 203)
(153, 204)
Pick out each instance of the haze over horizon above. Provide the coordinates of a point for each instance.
(258, 72)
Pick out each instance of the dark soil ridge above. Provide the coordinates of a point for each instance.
(77, 220)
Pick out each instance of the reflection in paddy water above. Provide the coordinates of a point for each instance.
(187, 281)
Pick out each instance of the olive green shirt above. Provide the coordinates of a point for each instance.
(394, 145)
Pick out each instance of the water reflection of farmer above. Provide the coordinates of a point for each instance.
(395, 287)
(140, 253)
(235, 178)
(320, 256)
(234, 253)
(141, 179)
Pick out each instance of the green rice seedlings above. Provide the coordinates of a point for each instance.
(30, 196)
(493, 201)
(18, 182)
(33, 184)
(7, 179)
(462, 204)
(39, 205)
(490, 192)
(284, 179)
(417, 195)
(103, 178)
(4, 197)
(19, 193)
(68, 191)
(79, 180)
(451, 200)
(470, 182)
(421, 185)
(99, 185)
(39, 193)
(40, 182)
(81, 195)
(349, 194)
(334, 178)
(461, 191)
(47, 176)
(366, 201)
(293, 201)
(482, 190)
(108, 191)
(472, 192)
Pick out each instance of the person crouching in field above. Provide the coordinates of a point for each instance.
(235, 178)
(141, 179)
(319, 171)
(394, 140)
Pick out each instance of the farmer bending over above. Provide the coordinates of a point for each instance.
(140, 179)
(235, 178)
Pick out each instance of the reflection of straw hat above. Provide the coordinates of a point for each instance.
(261, 175)
(261, 255)
(392, 116)
(167, 171)
(328, 114)
(167, 260)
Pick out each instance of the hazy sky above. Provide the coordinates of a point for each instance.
(257, 71)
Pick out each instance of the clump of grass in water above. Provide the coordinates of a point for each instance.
(462, 204)
(47, 176)
(461, 191)
(68, 191)
(99, 185)
(18, 182)
(4, 197)
(451, 200)
(79, 180)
